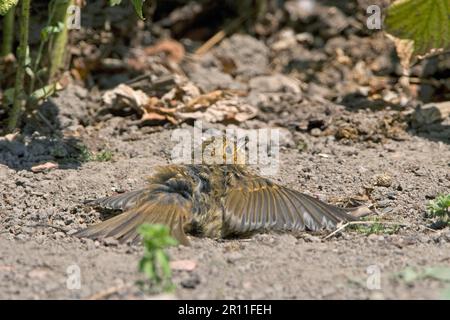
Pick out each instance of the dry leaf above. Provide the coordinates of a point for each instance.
(230, 109)
(45, 167)
(405, 50)
(125, 96)
(174, 50)
(182, 103)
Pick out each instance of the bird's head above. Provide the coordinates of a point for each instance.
(223, 149)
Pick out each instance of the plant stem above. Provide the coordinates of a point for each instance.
(8, 32)
(22, 54)
(37, 61)
(58, 50)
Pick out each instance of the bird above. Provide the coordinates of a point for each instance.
(215, 199)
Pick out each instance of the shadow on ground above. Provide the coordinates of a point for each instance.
(42, 140)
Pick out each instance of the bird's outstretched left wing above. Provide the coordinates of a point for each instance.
(122, 201)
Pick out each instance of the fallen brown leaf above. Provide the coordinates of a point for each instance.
(174, 50)
(123, 96)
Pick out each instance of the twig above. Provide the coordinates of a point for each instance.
(430, 55)
(108, 292)
(40, 51)
(144, 76)
(16, 110)
(47, 225)
(45, 120)
(211, 42)
(219, 36)
(8, 32)
(365, 222)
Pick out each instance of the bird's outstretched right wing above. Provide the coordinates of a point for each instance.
(168, 208)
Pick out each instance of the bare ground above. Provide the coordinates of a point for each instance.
(347, 134)
(35, 256)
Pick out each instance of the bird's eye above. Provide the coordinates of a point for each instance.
(228, 150)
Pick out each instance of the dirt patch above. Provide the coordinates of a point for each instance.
(346, 136)
(39, 211)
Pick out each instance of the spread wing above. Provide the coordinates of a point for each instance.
(122, 201)
(257, 203)
(155, 206)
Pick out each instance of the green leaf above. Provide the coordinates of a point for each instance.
(147, 268)
(48, 30)
(114, 2)
(445, 295)
(440, 207)
(409, 274)
(29, 72)
(43, 93)
(5, 5)
(27, 61)
(438, 273)
(426, 22)
(163, 261)
(137, 4)
(155, 262)
(138, 7)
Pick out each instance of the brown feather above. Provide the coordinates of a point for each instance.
(162, 210)
(259, 204)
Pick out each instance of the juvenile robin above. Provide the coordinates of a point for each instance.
(216, 201)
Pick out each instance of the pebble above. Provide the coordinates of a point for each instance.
(383, 180)
(383, 203)
(234, 256)
(391, 195)
(191, 282)
(375, 237)
(110, 242)
(316, 132)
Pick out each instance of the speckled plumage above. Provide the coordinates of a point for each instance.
(215, 201)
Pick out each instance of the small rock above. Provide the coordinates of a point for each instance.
(286, 138)
(310, 238)
(275, 83)
(372, 237)
(191, 282)
(59, 234)
(432, 194)
(382, 180)
(391, 195)
(383, 203)
(316, 132)
(233, 256)
(431, 113)
(110, 242)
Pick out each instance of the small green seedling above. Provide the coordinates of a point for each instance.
(103, 156)
(445, 295)
(440, 208)
(376, 228)
(155, 262)
(409, 275)
(86, 155)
